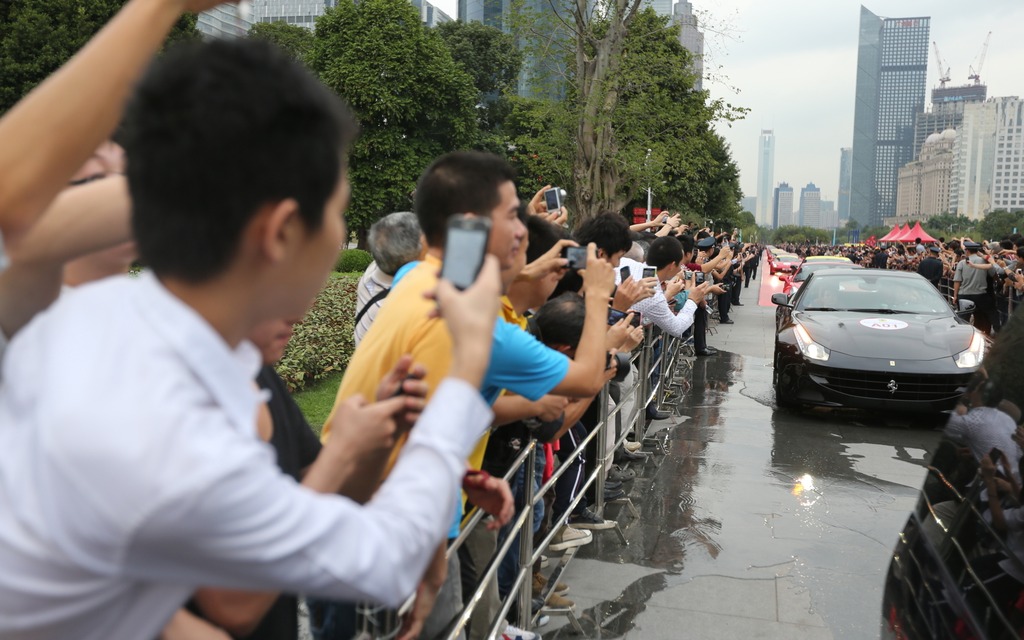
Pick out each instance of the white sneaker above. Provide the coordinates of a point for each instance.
(569, 537)
(515, 633)
(631, 446)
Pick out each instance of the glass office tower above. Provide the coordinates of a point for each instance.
(892, 68)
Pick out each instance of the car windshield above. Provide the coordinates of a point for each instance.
(870, 292)
(789, 258)
(810, 267)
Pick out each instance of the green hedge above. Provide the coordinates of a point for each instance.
(323, 341)
(353, 261)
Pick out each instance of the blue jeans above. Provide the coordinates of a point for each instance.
(509, 566)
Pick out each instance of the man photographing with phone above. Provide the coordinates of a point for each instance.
(476, 185)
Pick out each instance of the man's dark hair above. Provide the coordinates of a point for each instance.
(1006, 245)
(688, 243)
(543, 235)
(459, 182)
(609, 231)
(216, 130)
(560, 320)
(664, 251)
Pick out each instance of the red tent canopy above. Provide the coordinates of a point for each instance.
(918, 232)
(902, 235)
(889, 236)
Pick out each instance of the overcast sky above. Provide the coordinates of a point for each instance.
(793, 63)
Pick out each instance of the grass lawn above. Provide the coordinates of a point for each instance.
(317, 399)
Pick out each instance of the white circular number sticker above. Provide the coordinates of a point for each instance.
(883, 324)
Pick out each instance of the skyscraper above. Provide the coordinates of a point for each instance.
(1008, 192)
(845, 167)
(489, 12)
(691, 38)
(661, 7)
(765, 179)
(222, 22)
(782, 206)
(974, 161)
(810, 206)
(300, 12)
(947, 111)
(892, 65)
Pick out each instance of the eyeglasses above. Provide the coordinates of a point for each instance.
(87, 180)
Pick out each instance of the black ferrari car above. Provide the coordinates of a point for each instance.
(872, 339)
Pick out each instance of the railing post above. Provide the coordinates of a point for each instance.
(526, 543)
(602, 445)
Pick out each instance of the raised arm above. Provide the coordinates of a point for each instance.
(52, 131)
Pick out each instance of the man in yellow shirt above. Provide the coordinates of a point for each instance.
(479, 184)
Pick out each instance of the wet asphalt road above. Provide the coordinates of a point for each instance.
(757, 521)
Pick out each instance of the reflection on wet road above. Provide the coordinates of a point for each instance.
(755, 521)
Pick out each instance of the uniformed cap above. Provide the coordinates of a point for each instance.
(935, 249)
(706, 243)
(971, 245)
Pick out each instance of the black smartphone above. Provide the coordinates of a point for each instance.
(623, 273)
(994, 455)
(464, 249)
(577, 257)
(650, 272)
(614, 316)
(553, 198)
(635, 322)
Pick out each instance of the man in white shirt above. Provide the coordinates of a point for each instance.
(130, 468)
(666, 257)
(395, 241)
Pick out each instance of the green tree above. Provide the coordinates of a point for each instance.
(413, 101)
(38, 36)
(492, 58)
(999, 224)
(637, 120)
(292, 38)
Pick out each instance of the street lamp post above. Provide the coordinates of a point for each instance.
(646, 160)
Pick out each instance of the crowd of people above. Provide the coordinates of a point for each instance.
(990, 274)
(156, 478)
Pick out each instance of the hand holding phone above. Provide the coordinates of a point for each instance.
(576, 257)
(650, 272)
(464, 249)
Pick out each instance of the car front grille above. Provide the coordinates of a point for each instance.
(911, 387)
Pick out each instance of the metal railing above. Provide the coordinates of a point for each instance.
(933, 586)
(629, 411)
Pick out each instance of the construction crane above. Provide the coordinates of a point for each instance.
(943, 67)
(976, 73)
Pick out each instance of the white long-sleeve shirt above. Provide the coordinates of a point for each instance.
(655, 309)
(131, 473)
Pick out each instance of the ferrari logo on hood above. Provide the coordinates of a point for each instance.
(893, 387)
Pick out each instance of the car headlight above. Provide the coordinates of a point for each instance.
(972, 356)
(808, 347)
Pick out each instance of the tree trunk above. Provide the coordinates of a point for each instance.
(597, 183)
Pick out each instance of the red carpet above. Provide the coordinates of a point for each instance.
(769, 284)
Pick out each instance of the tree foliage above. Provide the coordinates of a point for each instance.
(38, 36)
(999, 224)
(292, 38)
(413, 101)
(635, 118)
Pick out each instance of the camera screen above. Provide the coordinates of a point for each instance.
(577, 257)
(464, 256)
(551, 199)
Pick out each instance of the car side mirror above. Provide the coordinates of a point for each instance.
(781, 300)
